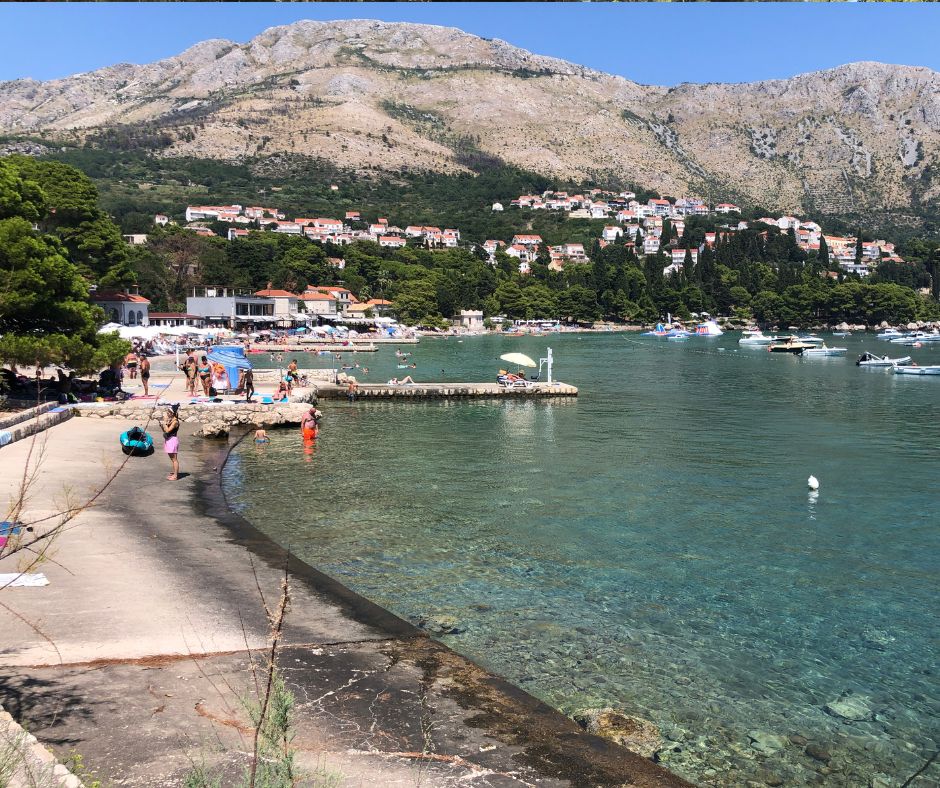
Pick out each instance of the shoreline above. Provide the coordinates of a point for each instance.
(169, 599)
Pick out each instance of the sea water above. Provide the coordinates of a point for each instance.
(652, 546)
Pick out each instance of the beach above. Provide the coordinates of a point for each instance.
(154, 607)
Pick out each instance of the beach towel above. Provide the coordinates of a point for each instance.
(30, 580)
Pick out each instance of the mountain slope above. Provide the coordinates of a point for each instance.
(386, 96)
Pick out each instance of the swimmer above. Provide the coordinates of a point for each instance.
(261, 436)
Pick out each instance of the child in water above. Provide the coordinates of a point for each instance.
(261, 436)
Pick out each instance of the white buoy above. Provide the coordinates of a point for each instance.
(813, 483)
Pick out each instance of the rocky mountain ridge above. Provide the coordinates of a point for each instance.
(385, 96)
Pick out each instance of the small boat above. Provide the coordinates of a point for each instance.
(910, 339)
(754, 336)
(873, 360)
(842, 333)
(136, 443)
(889, 334)
(915, 370)
(825, 350)
(708, 329)
(790, 345)
(811, 339)
(678, 334)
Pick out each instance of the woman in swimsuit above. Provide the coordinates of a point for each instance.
(145, 374)
(130, 361)
(205, 374)
(171, 443)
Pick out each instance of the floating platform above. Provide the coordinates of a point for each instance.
(446, 390)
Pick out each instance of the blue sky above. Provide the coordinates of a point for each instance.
(655, 43)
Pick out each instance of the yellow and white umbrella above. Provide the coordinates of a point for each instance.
(518, 359)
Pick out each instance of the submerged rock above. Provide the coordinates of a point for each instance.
(766, 743)
(818, 753)
(854, 708)
(636, 734)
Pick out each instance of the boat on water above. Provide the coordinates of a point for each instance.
(708, 329)
(915, 370)
(678, 334)
(811, 339)
(873, 360)
(890, 333)
(825, 350)
(842, 333)
(916, 336)
(790, 344)
(754, 336)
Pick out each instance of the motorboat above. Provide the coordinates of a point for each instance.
(708, 329)
(754, 336)
(791, 344)
(890, 333)
(678, 334)
(915, 370)
(911, 338)
(811, 339)
(873, 360)
(842, 333)
(825, 350)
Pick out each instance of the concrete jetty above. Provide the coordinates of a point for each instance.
(445, 390)
(154, 611)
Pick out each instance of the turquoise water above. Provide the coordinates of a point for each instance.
(652, 545)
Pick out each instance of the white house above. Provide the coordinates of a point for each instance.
(470, 319)
(526, 240)
(670, 270)
(392, 241)
(727, 207)
(678, 255)
(650, 244)
(285, 304)
(161, 219)
(612, 233)
(317, 303)
(123, 306)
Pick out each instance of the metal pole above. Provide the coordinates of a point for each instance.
(549, 365)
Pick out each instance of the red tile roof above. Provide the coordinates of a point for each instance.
(116, 296)
(276, 294)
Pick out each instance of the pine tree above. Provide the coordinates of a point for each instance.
(823, 251)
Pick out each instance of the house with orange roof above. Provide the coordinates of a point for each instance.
(313, 302)
(285, 305)
(127, 307)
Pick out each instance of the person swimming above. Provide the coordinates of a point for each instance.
(261, 436)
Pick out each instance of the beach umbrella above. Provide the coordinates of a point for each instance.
(518, 359)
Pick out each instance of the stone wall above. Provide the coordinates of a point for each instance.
(26, 763)
(21, 425)
(216, 418)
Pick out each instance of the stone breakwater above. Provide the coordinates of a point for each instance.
(215, 419)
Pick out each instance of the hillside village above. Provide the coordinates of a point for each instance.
(634, 224)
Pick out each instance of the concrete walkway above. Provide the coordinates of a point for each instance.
(154, 610)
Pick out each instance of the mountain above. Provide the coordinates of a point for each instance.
(376, 96)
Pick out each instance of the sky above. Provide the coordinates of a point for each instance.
(651, 43)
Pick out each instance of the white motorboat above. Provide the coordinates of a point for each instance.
(915, 370)
(811, 339)
(842, 333)
(890, 333)
(816, 352)
(873, 360)
(754, 336)
(914, 336)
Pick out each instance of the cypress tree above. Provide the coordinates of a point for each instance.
(823, 251)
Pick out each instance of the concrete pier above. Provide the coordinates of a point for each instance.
(445, 390)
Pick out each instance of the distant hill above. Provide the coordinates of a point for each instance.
(859, 140)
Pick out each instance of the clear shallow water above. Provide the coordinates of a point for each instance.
(652, 545)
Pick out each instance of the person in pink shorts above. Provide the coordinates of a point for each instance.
(171, 441)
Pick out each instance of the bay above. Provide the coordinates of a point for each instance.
(652, 545)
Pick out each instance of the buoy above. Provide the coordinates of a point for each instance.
(813, 483)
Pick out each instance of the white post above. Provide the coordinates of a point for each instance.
(549, 359)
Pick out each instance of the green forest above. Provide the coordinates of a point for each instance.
(751, 274)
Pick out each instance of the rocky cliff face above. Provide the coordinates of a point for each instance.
(381, 96)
